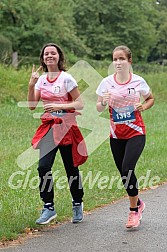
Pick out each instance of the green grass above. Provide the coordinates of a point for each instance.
(19, 206)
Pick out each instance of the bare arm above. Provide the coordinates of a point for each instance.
(102, 101)
(149, 102)
(76, 103)
(33, 95)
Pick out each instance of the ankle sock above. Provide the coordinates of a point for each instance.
(74, 203)
(134, 209)
(138, 202)
(49, 206)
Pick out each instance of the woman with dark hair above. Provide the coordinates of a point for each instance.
(59, 93)
(61, 61)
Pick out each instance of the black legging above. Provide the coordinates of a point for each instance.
(126, 152)
(47, 155)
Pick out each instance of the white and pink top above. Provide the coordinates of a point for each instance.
(125, 120)
(56, 90)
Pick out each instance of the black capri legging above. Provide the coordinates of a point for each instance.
(48, 152)
(126, 152)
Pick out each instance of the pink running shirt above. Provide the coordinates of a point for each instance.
(125, 120)
(56, 90)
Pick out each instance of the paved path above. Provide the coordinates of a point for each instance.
(104, 230)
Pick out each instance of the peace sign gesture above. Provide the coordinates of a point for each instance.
(34, 75)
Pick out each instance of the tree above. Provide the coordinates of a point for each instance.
(90, 28)
(30, 24)
(159, 51)
(109, 23)
(5, 49)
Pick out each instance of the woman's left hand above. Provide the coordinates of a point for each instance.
(52, 107)
(139, 107)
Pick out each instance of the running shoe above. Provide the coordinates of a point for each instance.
(77, 212)
(141, 208)
(133, 220)
(46, 216)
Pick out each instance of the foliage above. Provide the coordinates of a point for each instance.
(30, 24)
(5, 49)
(111, 23)
(86, 28)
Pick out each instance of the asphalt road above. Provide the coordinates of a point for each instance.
(104, 230)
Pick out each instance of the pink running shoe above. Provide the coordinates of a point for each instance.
(133, 219)
(141, 208)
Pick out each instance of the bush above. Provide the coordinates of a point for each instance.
(5, 50)
(149, 68)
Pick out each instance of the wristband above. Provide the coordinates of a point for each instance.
(102, 104)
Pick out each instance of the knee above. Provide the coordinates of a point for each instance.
(132, 192)
(74, 172)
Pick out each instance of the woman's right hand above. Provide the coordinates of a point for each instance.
(34, 76)
(106, 98)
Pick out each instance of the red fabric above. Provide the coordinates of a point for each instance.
(65, 131)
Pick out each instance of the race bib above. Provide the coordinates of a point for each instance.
(123, 115)
(59, 113)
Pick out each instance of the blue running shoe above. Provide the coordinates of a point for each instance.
(77, 212)
(46, 216)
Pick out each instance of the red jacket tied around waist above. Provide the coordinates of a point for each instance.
(65, 132)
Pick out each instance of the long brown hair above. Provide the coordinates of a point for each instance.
(61, 63)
